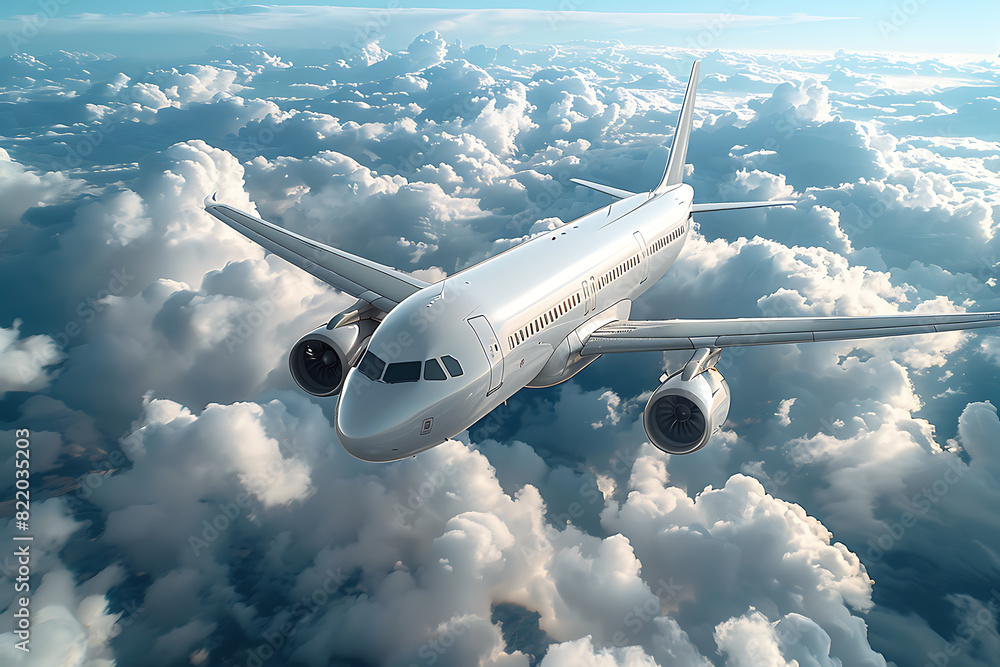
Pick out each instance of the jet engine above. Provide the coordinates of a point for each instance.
(683, 414)
(320, 360)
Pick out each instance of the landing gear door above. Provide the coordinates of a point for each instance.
(491, 346)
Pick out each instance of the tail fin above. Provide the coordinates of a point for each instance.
(674, 172)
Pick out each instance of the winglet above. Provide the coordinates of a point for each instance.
(674, 172)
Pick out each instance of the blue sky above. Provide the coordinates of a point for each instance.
(902, 26)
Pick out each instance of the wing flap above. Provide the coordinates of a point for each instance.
(380, 285)
(663, 335)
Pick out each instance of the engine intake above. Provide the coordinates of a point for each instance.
(682, 415)
(319, 361)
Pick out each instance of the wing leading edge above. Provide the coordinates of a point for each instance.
(649, 336)
(379, 285)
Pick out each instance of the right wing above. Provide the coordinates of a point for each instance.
(705, 208)
(379, 285)
(647, 336)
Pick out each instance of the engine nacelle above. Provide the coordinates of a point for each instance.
(682, 415)
(320, 360)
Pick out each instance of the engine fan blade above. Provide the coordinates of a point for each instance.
(680, 419)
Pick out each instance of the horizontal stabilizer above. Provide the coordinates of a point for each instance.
(705, 208)
(606, 189)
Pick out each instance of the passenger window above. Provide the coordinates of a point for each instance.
(451, 363)
(433, 370)
(371, 366)
(404, 371)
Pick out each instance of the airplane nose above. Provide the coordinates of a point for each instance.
(373, 428)
(362, 436)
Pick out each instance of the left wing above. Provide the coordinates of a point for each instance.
(618, 193)
(379, 285)
(646, 336)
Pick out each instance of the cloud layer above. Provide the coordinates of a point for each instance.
(193, 507)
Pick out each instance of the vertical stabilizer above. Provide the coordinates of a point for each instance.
(674, 173)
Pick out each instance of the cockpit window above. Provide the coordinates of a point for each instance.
(433, 370)
(371, 366)
(404, 371)
(451, 363)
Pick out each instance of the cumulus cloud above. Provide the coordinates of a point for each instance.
(24, 362)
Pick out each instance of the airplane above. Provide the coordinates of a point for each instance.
(416, 363)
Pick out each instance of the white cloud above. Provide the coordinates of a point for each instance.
(25, 362)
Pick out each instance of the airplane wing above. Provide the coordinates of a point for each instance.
(379, 285)
(705, 208)
(646, 336)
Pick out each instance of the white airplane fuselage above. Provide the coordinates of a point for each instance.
(516, 320)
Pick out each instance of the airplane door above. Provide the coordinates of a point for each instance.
(643, 264)
(491, 346)
(586, 298)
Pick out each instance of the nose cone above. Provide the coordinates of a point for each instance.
(375, 422)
